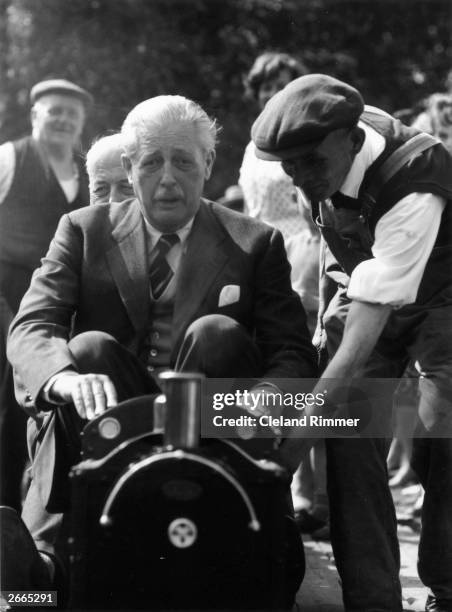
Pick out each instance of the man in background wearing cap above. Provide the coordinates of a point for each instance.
(396, 252)
(41, 178)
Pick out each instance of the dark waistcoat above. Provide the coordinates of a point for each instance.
(349, 230)
(29, 216)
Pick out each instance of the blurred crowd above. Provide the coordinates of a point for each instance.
(43, 176)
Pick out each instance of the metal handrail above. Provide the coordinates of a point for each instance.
(106, 520)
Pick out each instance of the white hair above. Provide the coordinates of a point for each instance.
(166, 110)
(105, 144)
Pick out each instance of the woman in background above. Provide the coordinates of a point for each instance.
(270, 195)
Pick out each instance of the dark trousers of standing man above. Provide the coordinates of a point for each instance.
(363, 522)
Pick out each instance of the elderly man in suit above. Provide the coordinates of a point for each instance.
(168, 280)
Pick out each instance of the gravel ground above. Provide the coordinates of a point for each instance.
(321, 591)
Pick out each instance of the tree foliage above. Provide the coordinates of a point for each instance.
(123, 51)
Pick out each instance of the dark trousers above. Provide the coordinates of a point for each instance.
(362, 514)
(432, 461)
(363, 529)
(363, 524)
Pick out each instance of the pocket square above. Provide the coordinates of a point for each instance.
(229, 295)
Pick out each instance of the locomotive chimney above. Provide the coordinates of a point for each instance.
(183, 408)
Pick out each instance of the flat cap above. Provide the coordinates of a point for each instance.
(60, 86)
(299, 117)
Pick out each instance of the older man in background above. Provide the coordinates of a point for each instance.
(160, 282)
(41, 178)
(108, 181)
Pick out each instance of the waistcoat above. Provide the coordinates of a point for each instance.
(157, 348)
(349, 232)
(29, 216)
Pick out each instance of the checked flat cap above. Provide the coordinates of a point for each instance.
(60, 86)
(300, 116)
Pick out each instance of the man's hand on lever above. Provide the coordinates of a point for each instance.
(91, 394)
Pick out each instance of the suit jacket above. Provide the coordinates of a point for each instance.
(95, 277)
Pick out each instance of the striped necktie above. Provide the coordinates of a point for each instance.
(160, 272)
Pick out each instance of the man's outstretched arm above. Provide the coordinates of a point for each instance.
(363, 327)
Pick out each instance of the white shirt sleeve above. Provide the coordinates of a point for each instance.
(7, 168)
(404, 239)
(247, 180)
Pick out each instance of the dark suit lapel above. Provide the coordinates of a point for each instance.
(127, 260)
(204, 258)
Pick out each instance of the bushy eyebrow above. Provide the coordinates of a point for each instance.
(177, 150)
(182, 151)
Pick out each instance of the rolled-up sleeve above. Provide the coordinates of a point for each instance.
(404, 239)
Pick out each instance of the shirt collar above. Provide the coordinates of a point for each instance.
(373, 146)
(154, 234)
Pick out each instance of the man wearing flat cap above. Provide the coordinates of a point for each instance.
(41, 178)
(389, 228)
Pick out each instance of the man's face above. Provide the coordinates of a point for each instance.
(271, 86)
(321, 172)
(58, 119)
(442, 122)
(168, 173)
(108, 182)
(445, 135)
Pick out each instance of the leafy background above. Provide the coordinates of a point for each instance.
(123, 51)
